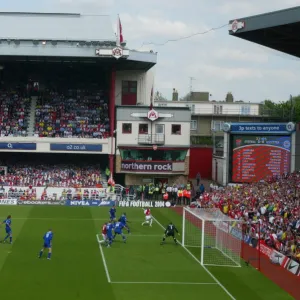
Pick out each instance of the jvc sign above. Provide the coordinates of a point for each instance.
(148, 166)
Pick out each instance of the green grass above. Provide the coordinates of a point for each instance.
(76, 270)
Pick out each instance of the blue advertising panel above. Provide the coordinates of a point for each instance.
(76, 147)
(265, 128)
(18, 146)
(104, 202)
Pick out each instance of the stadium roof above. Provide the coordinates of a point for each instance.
(55, 26)
(63, 37)
(277, 30)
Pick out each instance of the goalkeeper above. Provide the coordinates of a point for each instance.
(170, 231)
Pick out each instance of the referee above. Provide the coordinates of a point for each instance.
(170, 231)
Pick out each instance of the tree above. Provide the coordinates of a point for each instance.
(159, 97)
(288, 110)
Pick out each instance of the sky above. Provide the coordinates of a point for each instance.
(218, 62)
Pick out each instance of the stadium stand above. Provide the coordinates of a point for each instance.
(13, 113)
(77, 113)
(273, 204)
(68, 176)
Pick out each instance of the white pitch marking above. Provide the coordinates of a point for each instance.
(144, 235)
(58, 219)
(208, 272)
(173, 283)
(103, 259)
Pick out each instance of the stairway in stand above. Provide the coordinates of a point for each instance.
(31, 117)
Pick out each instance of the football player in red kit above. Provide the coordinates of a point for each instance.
(148, 217)
(104, 233)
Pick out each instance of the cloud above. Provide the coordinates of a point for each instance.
(160, 29)
(84, 6)
(244, 8)
(239, 55)
(219, 62)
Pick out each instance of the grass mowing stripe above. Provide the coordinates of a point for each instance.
(72, 273)
(103, 259)
(208, 272)
(7, 249)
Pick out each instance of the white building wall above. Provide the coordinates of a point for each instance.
(145, 81)
(211, 108)
(170, 139)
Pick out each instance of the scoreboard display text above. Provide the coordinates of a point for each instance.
(256, 158)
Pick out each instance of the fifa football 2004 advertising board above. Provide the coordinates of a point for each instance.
(153, 204)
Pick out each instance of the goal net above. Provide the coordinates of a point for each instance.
(207, 233)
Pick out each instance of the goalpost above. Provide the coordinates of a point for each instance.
(209, 233)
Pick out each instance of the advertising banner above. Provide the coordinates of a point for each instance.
(76, 147)
(157, 204)
(90, 202)
(147, 166)
(237, 233)
(265, 128)
(293, 267)
(18, 146)
(36, 202)
(8, 201)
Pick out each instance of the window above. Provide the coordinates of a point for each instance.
(218, 109)
(143, 128)
(129, 87)
(160, 128)
(126, 128)
(245, 110)
(176, 129)
(194, 124)
(217, 126)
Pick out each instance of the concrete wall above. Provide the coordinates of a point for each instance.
(214, 108)
(177, 117)
(145, 81)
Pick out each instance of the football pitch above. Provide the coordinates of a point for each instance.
(141, 269)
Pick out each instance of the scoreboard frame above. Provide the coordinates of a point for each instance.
(222, 166)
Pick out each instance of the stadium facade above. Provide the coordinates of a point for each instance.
(49, 50)
(276, 30)
(153, 144)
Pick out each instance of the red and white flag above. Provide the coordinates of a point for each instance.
(120, 38)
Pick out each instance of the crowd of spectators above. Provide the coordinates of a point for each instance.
(14, 110)
(30, 194)
(52, 176)
(270, 208)
(77, 113)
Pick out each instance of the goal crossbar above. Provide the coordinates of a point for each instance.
(210, 231)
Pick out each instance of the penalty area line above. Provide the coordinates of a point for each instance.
(103, 259)
(172, 283)
(195, 258)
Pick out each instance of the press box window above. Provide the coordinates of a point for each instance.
(126, 128)
(143, 128)
(176, 129)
